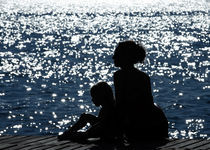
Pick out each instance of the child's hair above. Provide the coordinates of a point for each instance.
(104, 90)
(131, 52)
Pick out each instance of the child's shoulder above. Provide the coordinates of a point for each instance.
(106, 112)
(118, 73)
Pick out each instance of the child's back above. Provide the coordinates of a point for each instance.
(106, 121)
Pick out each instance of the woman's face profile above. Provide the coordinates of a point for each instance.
(96, 100)
(116, 58)
(120, 60)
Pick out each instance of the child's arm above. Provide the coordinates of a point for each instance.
(95, 130)
(104, 124)
(83, 120)
(72, 134)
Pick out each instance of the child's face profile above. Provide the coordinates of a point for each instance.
(96, 99)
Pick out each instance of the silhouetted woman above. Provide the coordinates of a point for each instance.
(138, 116)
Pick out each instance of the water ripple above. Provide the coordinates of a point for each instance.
(52, 52)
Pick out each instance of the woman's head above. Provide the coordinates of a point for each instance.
(128, 53)
(102, 94)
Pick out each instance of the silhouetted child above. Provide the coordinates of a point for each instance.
(102, 126)
(137, 115)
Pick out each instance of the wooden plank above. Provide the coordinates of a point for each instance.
(148, 145)
(15, 140)
(9, 139)
(28, 144)
(5, 137)
(185, 144)
(203, 145)
(172, 143)
(67, 147)
(85, 147)
(200, 144)
(28, 147)
(21, 139)
(63, 147)
(56, 142)
(18, 147)
(43, 147)
(6, 146)
(51, 143)
(49, 139)
(35, 139)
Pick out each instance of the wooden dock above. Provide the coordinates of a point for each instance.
(8, 142)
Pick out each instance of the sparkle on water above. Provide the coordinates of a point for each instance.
(51, 52)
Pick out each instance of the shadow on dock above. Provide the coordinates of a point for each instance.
(116, 145)
(51, 143)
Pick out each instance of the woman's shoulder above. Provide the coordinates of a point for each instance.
(139, 72)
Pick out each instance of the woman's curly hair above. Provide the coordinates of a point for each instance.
(131, 52)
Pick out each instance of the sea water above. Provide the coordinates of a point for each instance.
(52, 52)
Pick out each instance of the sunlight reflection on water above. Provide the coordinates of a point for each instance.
(52, 52)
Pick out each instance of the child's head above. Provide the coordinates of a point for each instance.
(128, 53)
(102, 94)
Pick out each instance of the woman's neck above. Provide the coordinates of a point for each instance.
(128, 67)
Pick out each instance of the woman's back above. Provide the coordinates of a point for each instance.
(135, 101)
(132, 87)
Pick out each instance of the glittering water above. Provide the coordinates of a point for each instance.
(52, 52)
